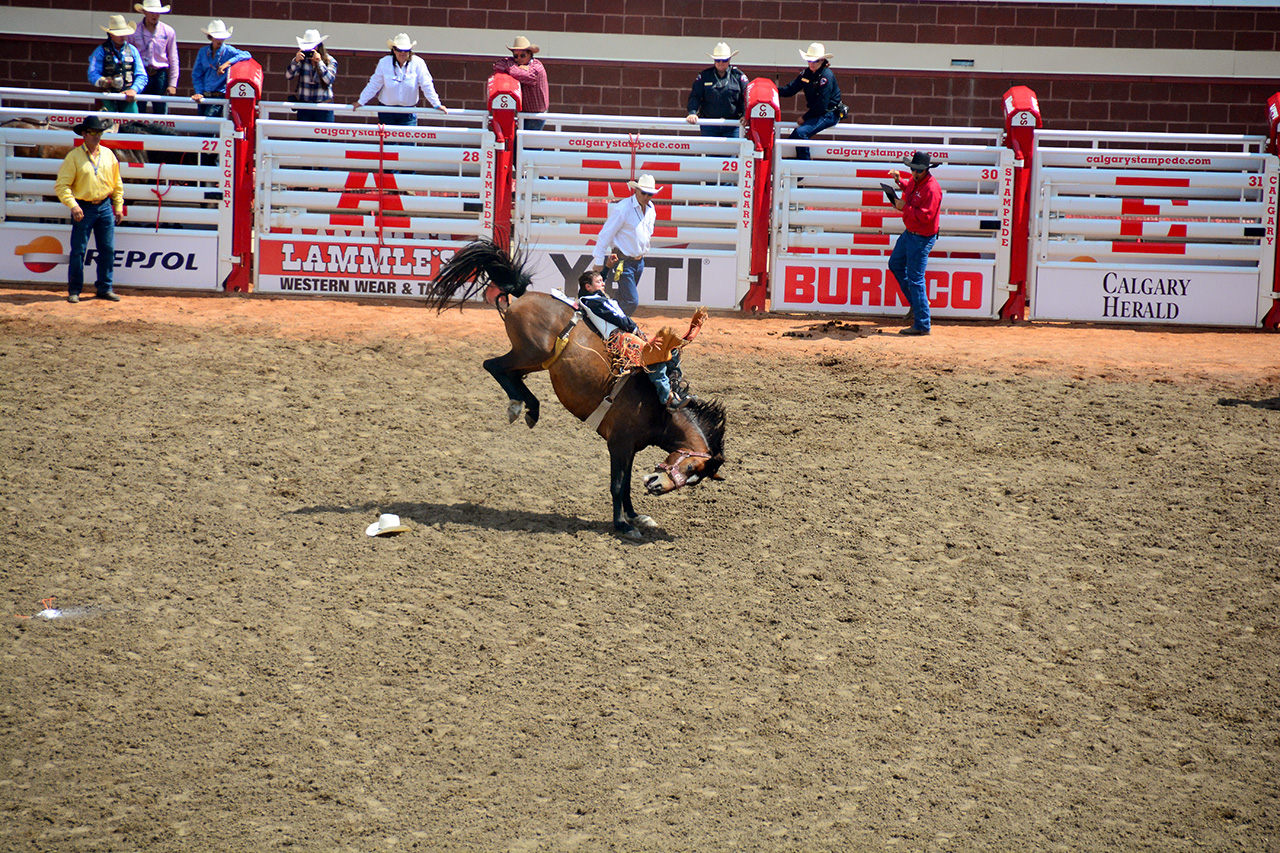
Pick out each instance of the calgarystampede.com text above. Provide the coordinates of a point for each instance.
(1146, 160)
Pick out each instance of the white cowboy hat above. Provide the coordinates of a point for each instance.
(815, 52)
(721, 52)
(118, 26)
(401, 42)
(150, 6)
(309, 40)
(645, 184)
(386, 524)
(217, 30)
(523, 43)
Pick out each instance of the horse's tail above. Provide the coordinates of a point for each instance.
(475, 268)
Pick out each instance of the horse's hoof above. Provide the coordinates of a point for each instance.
(644, 521)
(513, 411)
(530, 418)
(629, 533)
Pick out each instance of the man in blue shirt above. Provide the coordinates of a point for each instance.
(116, 66)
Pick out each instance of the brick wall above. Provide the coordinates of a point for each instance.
(1083, 101)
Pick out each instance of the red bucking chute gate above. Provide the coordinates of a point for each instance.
(762, 116)
(244, 89)
(504, 102)
(1272, 318)
(1021, 118)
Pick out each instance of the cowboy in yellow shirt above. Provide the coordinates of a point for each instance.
(89, 183)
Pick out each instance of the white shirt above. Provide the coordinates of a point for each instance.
(628, 229)
(398, 86)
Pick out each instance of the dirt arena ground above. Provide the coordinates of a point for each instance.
(1003, 588)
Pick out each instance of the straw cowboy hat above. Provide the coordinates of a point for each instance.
(920, 160)
(401, 42)
(386, 524)
(523, 43)
(721, 52)
(217, 30)
(150, 6)
(92, 124)
(815, 52)
(118, 26)
(310, 40)
(645, 185)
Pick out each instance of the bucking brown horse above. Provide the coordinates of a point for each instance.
(544, 335)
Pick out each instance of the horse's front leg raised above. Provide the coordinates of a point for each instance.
(517, 392)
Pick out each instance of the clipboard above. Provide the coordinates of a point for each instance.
(890, 193)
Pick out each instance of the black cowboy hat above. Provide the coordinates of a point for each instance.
(920, 160)
(92, 124)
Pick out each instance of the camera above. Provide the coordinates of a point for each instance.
(308, 54)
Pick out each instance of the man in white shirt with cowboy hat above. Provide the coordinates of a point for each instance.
(628, 231)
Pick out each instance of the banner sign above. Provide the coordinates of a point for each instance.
(183, 260)
(854, 285)
(667, 282)
(314, 266)
(1128, 294)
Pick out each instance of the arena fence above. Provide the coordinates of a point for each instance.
(179, 198)
(568, 173)
(1036, 222)
(1152, 228)
(834, 228)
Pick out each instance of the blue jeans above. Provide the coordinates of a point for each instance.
(209, 110)
(660, 375)
(728, 131)
(101, 220)
(314, 115)
(400, 119)
(157, 82)
(807, 129)
(535, 123)
(628, 285)
(907, 263)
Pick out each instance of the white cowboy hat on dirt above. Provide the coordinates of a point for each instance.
(217, 30)
(815, 52)
(646, 184)
(401, 42)
(386, 524)
(310, 40)
(721, 52)
(118, 26)
(150, 6)
(523, 43)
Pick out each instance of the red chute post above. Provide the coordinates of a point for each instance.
(1272, 318)
(1021, 118)
(504, 104)
(244, 89)
(763, 109)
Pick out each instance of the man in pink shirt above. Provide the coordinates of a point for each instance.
(921, 204)
(532, 77)
(158, 44)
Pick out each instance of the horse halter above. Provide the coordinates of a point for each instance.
(672, 469)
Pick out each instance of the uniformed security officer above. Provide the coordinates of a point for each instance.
(719, 92)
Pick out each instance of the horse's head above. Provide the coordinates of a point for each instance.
(699, 455)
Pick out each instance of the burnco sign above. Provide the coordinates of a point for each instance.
(863, 286)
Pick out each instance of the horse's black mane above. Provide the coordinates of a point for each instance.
(473, 268)
(710, 416)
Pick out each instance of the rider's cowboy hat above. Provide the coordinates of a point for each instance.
(118, 26)
(646, 184)
(401, 42)
(523, 43)
(150, 6)
(721, 52)
(310, 40)
(217, 30)
(815, 52)
(920, 160)
(386, 524)
(92, 124)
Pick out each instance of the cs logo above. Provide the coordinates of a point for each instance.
(42, 254)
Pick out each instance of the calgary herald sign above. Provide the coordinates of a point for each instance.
(1129, 294)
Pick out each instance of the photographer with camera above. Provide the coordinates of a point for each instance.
(314, 70)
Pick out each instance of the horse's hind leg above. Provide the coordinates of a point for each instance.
(512, 381)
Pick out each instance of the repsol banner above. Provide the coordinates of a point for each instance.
(324, 267)
(862, 285)
(1129, 294)
(667, 281)
(185, 260)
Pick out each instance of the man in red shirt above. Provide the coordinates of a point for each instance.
(920, 204)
